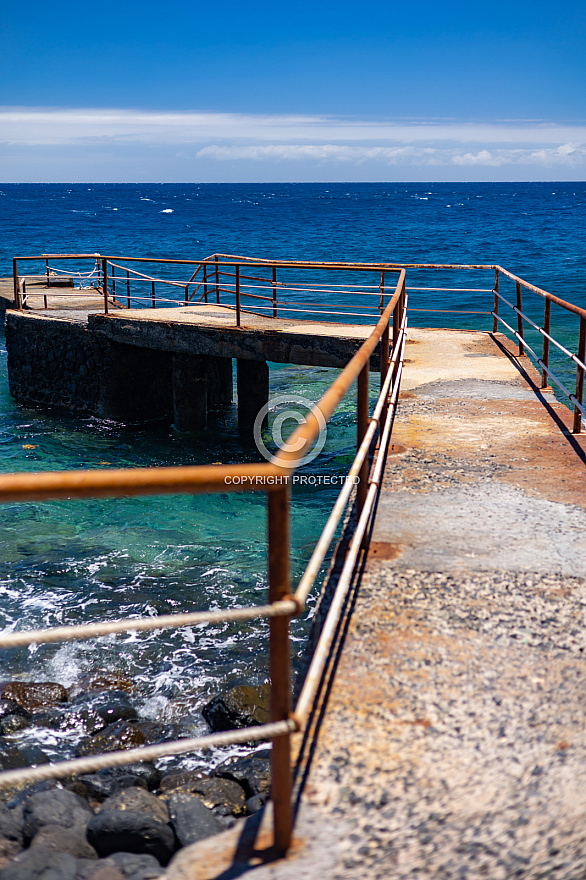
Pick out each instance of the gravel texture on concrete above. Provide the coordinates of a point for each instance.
(453, 743)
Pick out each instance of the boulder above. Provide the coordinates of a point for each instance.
(12, 757)
(121, 735)
(12, 724)
(103, 869)
(65, 840)
(8, 849)
(11, 826)
(241, 706)
(40, 864)
(192, 820)
(137, 800)
(102, 680)
(136, 867)
(104, 784)
(34, 695)
(111, 706)
(213, 791)
(54, 807)
(252, 772)
(112, 831)
(11, 707)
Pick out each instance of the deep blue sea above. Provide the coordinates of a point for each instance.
(68, 562)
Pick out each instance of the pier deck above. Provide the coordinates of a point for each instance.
(453, 742)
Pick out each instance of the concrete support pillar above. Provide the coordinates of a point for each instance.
(219, 379)
(135, 385)
(190, 393)
(253, 391)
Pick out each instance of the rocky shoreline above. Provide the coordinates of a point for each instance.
(124, 822)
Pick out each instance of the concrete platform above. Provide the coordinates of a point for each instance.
(211, 330)
(453, 744)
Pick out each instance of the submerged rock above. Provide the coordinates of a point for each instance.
(241, 706)
(11, 707)
(33, 695)
(12, 757)
(121, 735)
(11, 724)
(102, 680)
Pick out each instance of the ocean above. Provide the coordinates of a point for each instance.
(70, 562)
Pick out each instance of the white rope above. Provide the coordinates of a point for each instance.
(79, 766)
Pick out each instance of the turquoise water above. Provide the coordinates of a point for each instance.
(69, 562)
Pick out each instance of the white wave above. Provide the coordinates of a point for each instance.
(166, 211)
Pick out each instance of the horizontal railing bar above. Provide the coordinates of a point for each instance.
(284, 264)
(562, 348)
(140, 481)
(455, 289)
(570, 307)
(451, 311)
(571, 397)
(52, 635)
(79, 766)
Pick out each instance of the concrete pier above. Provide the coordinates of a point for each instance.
(452, 743)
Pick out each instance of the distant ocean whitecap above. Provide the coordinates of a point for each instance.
(166, 211)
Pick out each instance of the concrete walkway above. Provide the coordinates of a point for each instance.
(454, 743)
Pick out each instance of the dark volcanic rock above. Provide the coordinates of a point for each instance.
(103, 869)
(76, 718)
(33, 695)
(111, 706)
(192, 820)
(254, 804)
(253, 772)
(11, 825)
(107, 782)
(136, 867)
(12, 724)
(137, 800)
(12, 756)
(120, 735)
(242, 706)
(65, 840)
(8, 849)
(213, 791)
(101, 681)
(114, 830)
(11, 707)
(41, 864)
(55, 807)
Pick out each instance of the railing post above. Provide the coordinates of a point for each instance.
(361, 428)
(580, 377)
(519, 318)
(153, 294)
(496, 300)
(114, 282)
(384, 369)
(105, 284)
(278, 514)
(127, 289)
(237, 271)
(205, 282)
(274, 291)
(217, 281)
(546, 327)
(381, 306)
(186, 303)
(16, 283)
(47, 271)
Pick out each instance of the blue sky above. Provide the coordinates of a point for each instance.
(257, 91)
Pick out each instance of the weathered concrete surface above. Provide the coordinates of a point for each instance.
(211, 330)
(454, 742)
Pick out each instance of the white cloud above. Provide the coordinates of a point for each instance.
(54, 126)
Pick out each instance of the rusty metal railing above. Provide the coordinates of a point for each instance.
(272, 478)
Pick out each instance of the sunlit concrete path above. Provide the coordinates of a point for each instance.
(453, 742)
